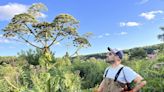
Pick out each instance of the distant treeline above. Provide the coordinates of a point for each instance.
(138, 52)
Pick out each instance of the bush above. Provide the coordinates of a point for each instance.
(8, 60)
(91, 72)
(153, 76)
(57, 77)
(138, 53)
(32, 56)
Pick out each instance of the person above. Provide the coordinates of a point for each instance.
(117, 77)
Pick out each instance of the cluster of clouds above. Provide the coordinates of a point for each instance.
(9, 10)
(151, 15)
(130, 24)
(147, 15)
(108, 34)
(103, 35)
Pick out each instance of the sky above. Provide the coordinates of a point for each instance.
(121, 24)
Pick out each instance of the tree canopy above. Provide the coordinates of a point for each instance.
(28, 28)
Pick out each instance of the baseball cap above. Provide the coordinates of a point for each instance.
(119, 53)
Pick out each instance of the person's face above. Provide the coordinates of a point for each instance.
(110, 57)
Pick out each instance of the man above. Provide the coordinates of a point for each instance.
(117, 77)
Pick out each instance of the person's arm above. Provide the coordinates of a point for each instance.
(139, 84)
(101, 87)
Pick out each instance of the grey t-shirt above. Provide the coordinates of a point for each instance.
(129, 74)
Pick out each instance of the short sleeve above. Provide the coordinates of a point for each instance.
(130, 74)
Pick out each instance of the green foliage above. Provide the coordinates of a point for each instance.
(35, 9)
(153, 76)
(82, 41)
(65, 75)
(160, 57)
(45, 34)
(91, 71)
(58, 77)
(137, 53)
(32, 56)
(4, 85)
(10, 76)
(8, 60)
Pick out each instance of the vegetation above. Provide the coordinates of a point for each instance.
(137, 53)
(91, 71)
(71, 75)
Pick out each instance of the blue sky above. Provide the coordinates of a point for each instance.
(119, 24)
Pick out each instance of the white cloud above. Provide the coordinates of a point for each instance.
(150, 15)
(2, 40)
(129, 24)
(107, 34)
(9, 10)
(123, 33)
(122, 24)
(100, 36)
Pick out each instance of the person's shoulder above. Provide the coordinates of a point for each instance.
(108, 67)
(127, 68)
(106, 71)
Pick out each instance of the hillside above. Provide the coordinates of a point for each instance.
(147, 49)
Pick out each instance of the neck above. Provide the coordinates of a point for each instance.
(115, 64)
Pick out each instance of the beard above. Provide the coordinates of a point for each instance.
(110, 61)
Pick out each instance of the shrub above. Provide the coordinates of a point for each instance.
(91, 72)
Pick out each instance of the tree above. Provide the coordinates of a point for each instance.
(138, 53)
(161, 36)
(27, 27)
